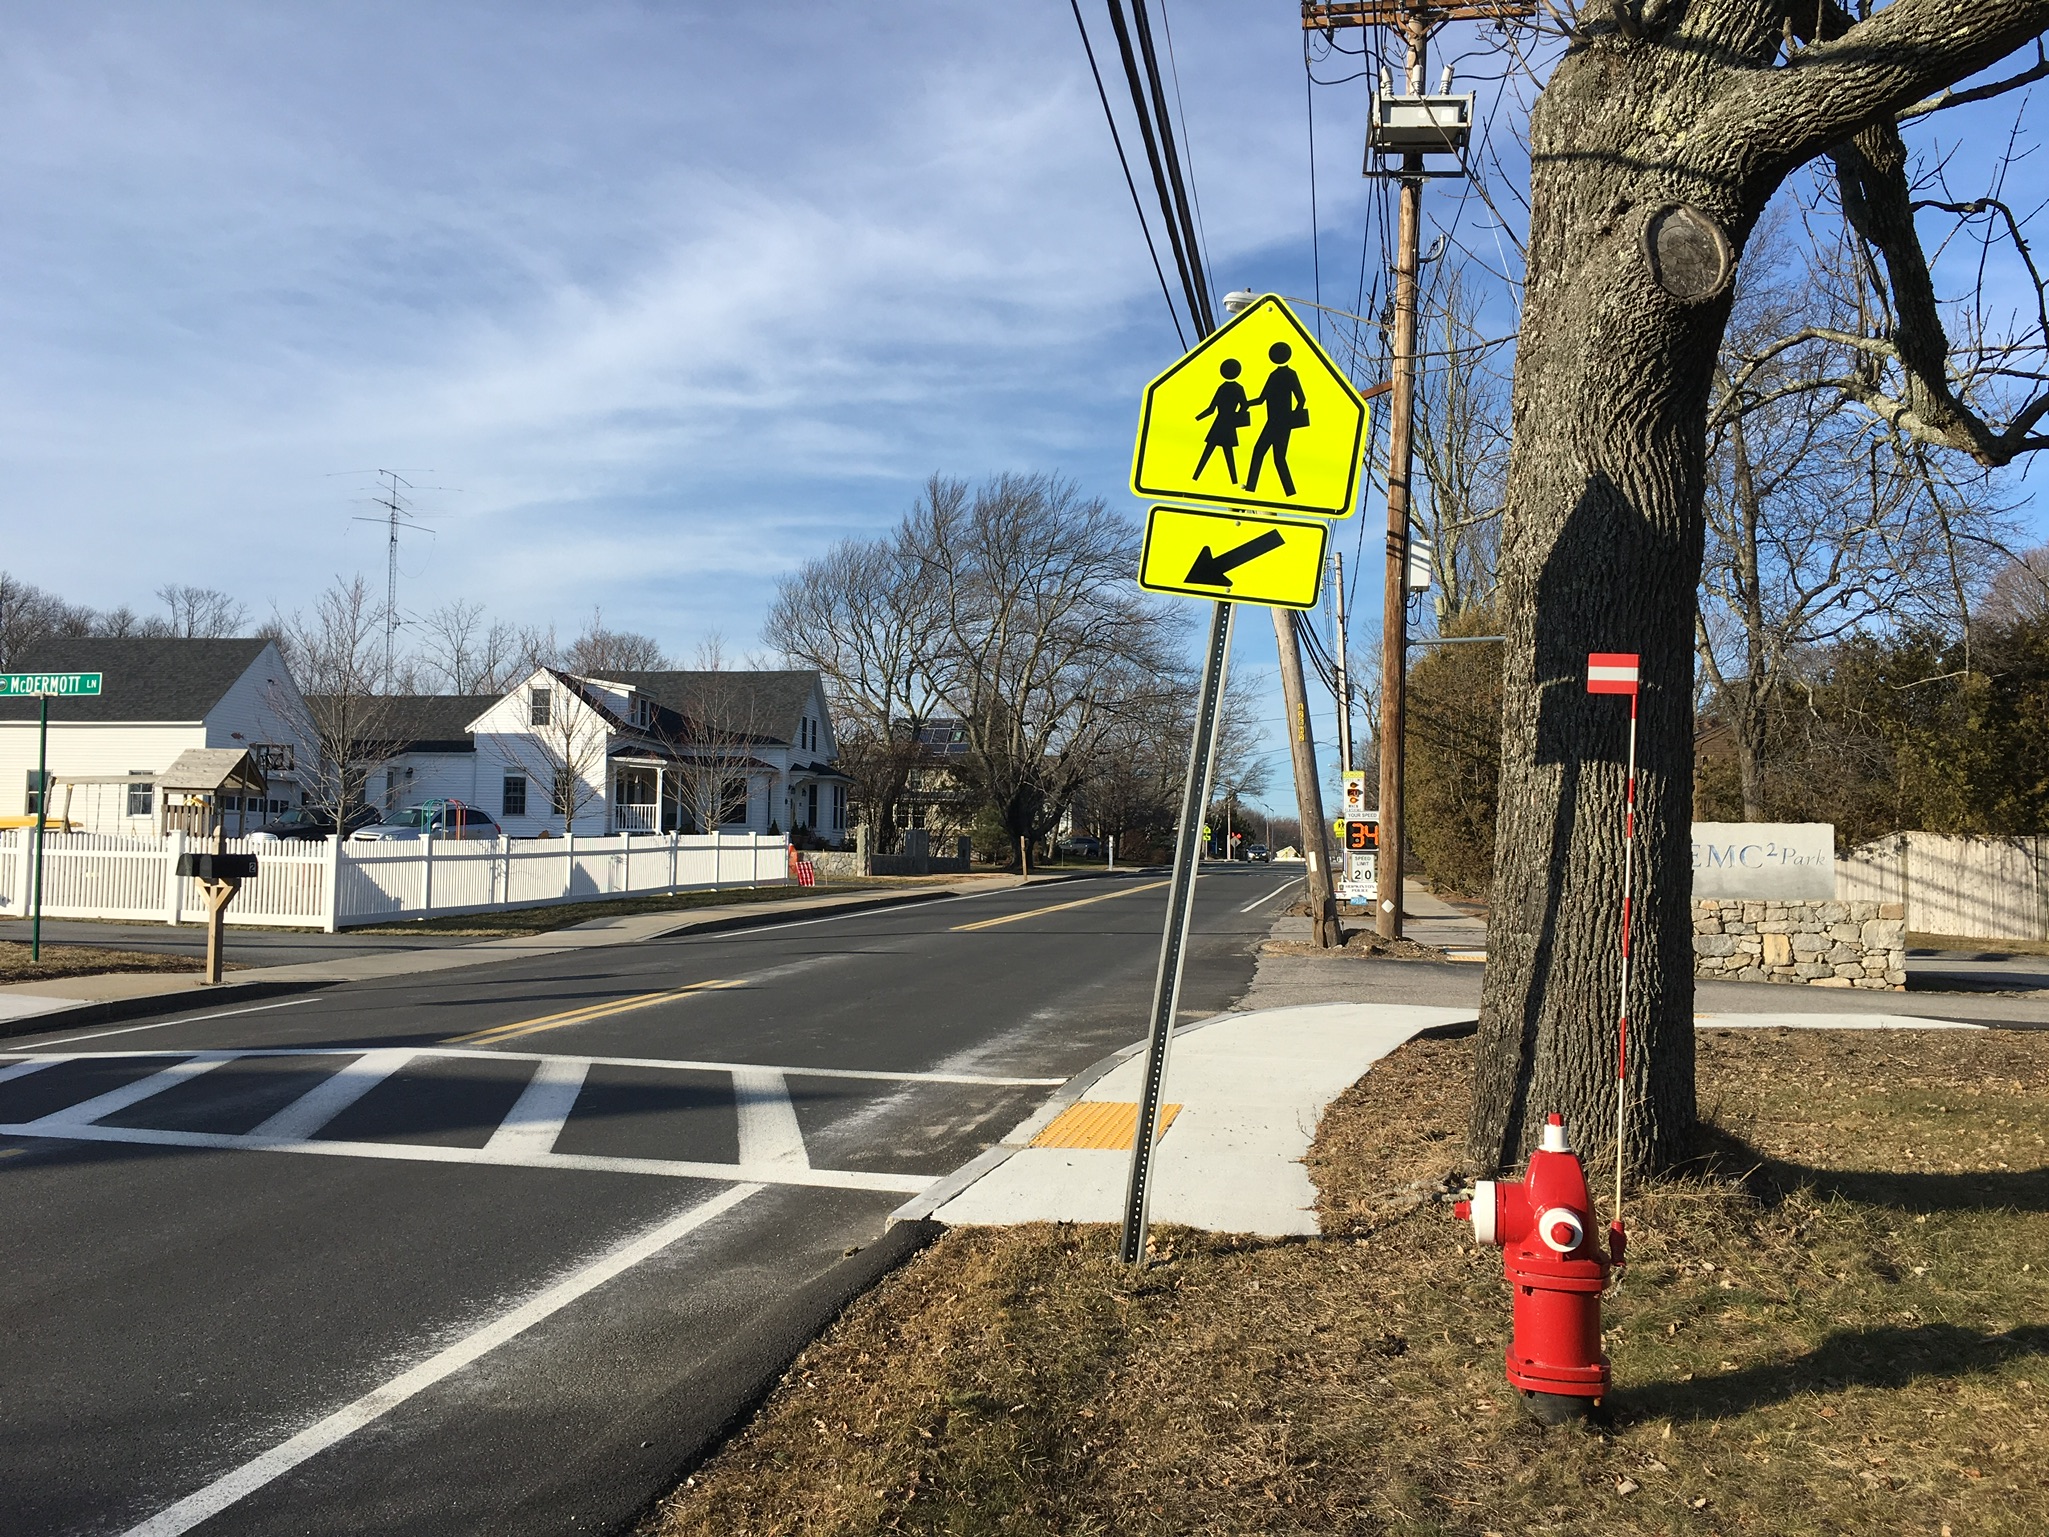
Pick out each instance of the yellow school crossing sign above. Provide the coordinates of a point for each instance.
(1232, 556)
(1257, 416)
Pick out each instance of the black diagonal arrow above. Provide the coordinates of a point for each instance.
(1215, 570)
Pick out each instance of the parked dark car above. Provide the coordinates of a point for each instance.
(432, 819)
(1082, 846)
(305, 823)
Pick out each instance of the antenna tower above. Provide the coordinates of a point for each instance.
(398, 512)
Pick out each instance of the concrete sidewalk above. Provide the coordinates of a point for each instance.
(1250, 1088)
(115, 995)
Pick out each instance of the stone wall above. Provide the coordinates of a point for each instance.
(1819, 944)
(837, 864)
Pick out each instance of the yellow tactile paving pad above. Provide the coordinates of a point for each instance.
(1100, 1123)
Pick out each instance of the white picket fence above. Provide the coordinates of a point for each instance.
(333, 885)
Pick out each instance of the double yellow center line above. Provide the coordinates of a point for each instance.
(1058, 907)
(583, 1015)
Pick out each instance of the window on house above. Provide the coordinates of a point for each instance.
(512, 798)
(811, 805)
(540, 707)
(142, 799)
(34, 803)
(272, 757)
(839, 808)
(397, 782)
(640, 712)
(733, 802)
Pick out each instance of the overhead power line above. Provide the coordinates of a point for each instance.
(1137, 206)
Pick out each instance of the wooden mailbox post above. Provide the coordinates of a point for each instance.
(203, 776)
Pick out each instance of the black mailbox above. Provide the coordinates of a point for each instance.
(232, 868)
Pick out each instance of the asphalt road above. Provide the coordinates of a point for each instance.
(518, 1229)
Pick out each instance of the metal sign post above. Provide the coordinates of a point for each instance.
(35, 928)
(43, 684)
(1173, 945)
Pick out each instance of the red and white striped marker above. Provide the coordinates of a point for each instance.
(1617, 672)
(1612, 672)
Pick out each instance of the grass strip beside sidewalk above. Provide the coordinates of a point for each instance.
(1837, 1322)
(69, 960)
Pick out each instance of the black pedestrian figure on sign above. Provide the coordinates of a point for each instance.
(1232, 410)
(1286, 409)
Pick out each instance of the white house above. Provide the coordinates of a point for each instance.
(159, 697)
(659, 751)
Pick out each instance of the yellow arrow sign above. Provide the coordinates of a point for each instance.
(1232, 556)
(1257, 416)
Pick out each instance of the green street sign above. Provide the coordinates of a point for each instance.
(16, 684)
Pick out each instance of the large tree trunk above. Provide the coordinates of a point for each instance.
(1602, 536)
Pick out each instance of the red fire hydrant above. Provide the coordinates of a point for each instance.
(1544, 1226)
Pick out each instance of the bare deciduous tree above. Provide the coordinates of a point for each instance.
(201, 613)
(599, 650)
(466, 652)
(867, 619)
(343, 720)
(1462, 439)
(1042, 636)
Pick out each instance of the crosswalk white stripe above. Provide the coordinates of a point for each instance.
(87, 1111)
(33, 1065)
(769, 1134)
(304, 1116)
(535, 1119)
(424, 1152)
(232, 1487)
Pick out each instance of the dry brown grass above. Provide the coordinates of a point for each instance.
(85, 961)
(1834, 1324)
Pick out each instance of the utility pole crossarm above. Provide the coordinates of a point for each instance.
(1336, 14)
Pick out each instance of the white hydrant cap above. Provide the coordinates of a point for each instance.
(1560, 1229)
(1554, 1136)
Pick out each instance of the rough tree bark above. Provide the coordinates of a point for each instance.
(1701, 105)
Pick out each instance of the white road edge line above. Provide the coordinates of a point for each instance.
(229, 1489)
(191, 1019)
(1262, 901)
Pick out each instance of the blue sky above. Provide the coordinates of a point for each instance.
(668, 296)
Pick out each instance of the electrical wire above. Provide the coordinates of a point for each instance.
(1186, 259)
(1183, 208)
(1137, 206)
(1315, 235)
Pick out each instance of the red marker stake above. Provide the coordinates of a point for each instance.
(1617, 673)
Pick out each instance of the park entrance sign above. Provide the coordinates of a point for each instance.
(24, 685)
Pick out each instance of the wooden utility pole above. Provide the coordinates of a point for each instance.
(1415, 20)
(1337, 588)
(1394, 638)
(1323, 903)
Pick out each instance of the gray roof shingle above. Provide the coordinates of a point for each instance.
(759, 706)
(418, 722)
(153, 679)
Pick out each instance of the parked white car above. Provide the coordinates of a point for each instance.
(433, 819)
